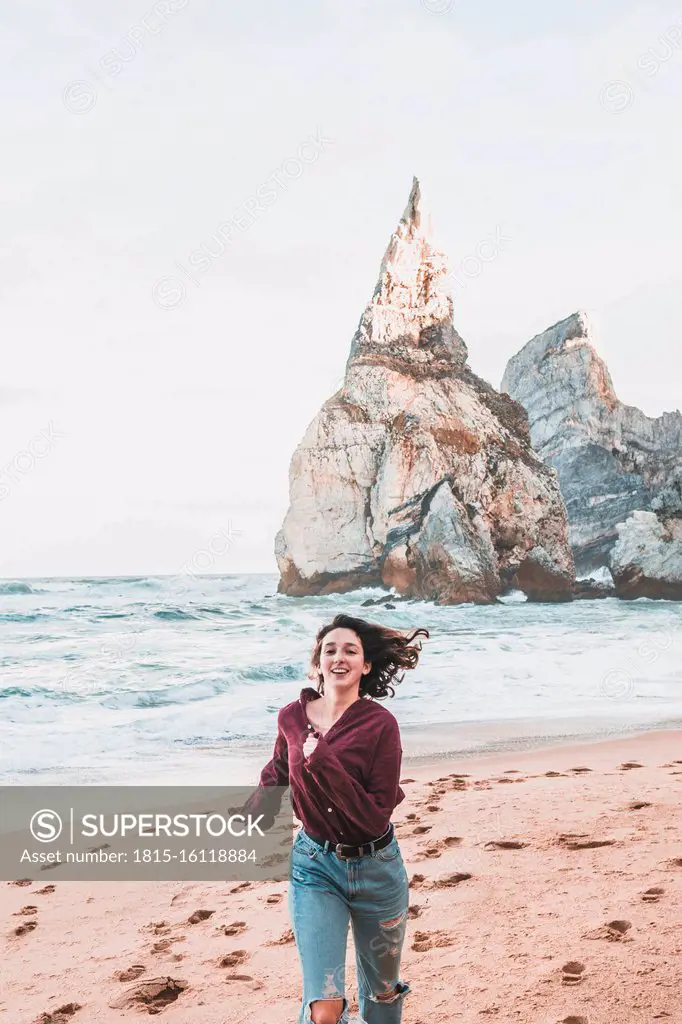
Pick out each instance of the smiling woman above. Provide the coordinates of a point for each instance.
(385, 652)
(340, 751)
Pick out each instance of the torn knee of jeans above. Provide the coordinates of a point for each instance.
(343, 1016)
(396, 993)
(394, 922)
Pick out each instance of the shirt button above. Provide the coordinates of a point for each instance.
(329, 809)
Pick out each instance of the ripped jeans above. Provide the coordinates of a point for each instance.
(325, 896)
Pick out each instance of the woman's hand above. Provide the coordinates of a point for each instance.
(310, 744)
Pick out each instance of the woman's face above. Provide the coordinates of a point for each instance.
(342, 660)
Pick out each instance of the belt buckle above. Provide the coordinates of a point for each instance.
(337, 851)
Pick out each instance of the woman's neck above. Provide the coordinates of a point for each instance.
(335, 703)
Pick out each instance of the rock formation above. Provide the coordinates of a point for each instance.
(416, 474)
(647, 558)
(611, 459)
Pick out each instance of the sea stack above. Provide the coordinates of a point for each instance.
(416, 474)
(647, 558)
(611, 458)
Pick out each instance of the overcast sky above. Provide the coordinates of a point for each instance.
(173, 387)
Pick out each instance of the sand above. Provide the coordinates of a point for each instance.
(572, 911)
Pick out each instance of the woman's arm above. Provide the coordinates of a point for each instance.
(267, 800)
(361, 806)
(276, 771)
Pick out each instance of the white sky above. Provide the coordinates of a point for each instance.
(180, 421)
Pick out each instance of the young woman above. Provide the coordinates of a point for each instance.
(340, 752)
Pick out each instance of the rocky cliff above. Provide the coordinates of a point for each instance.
(611, 458)
(416, 474)
(647, 558)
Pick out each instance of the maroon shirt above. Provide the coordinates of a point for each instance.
(348, 788)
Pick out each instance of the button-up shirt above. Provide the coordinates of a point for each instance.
(348, 788)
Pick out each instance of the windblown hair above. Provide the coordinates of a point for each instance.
(388, 650)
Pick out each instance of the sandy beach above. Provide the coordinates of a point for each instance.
(545, 887)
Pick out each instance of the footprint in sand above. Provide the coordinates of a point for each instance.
(582, 841)
(554, 775)
(239, 977)
(157, 927)
(164, 944)
(187, 891)
(630, 764)
(275, 898)
(421, 829)
(22, 881)
(240, 956)
(236, 928)
(274, 858)
(423, 941)
(505, 780)
(284, 939)
(637, 805)
(414, 910)
(404, 782)
(452, 879)
(573, 1020)
(130, 973)
(653, 894)
(676, 862)
(617, 930)
(45, 891)
(433, 807)
(572, 973)
(241, 887)
(24, 929)
(416, 881)
(25, 911)
(155, 995)
(412, 817)
(200, 915)
(614, 931)
(62, 1015)
(504, 844)
(580, 770)
(436, 847)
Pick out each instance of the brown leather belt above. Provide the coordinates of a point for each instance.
(345, 852)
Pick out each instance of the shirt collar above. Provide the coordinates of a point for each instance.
(308, 694)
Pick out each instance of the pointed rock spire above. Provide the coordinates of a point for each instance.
(415, 212)
(410, 314)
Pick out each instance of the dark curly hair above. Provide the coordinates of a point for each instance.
(388, 650)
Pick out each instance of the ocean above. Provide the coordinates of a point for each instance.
(170, 680)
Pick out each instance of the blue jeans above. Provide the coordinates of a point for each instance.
(327, 894)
